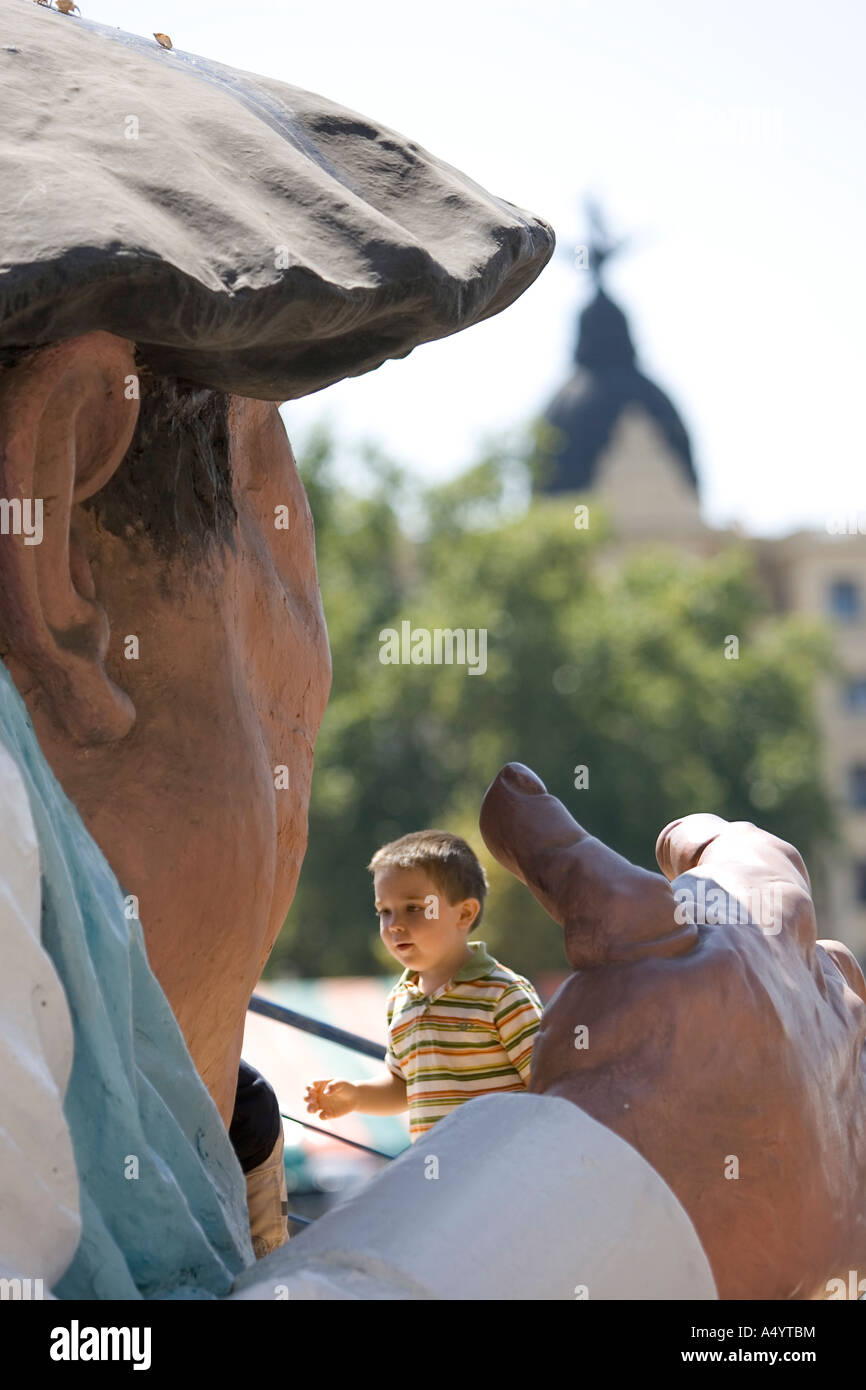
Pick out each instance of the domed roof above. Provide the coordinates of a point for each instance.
(606, 381)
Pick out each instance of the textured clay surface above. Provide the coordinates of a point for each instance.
(249, 235)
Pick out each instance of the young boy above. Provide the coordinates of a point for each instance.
(459, 1023)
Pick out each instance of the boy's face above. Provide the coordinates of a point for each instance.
(417, 923)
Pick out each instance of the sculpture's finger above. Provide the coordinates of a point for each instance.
(682, 842)
(763, 878)
(610, 910)
(848, 966)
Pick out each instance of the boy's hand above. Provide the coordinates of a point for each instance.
(331, 1099)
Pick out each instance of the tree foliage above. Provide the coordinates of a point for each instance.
(618, 668)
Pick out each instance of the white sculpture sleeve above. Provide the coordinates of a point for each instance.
(513, 1196)
(40, 1224)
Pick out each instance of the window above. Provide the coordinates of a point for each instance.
(855, 696)
(844, 600)
(857, 785)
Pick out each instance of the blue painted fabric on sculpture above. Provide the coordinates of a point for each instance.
(179, 1229)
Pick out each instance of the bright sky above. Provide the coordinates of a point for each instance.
(726, 138)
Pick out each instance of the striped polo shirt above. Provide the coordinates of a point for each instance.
(471, 1037)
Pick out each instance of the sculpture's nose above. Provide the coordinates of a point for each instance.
(610, 910)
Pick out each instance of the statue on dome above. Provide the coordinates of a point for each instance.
(606, 386)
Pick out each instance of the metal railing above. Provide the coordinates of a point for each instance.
(314, 1025)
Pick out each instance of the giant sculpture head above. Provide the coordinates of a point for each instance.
(188, 246)
(172, 660)
(706, 1025)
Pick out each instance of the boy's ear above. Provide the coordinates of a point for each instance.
(469, 910)
(65, 425)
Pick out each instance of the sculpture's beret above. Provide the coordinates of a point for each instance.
(247, 235)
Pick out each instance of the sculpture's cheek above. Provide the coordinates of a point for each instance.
(278, 628)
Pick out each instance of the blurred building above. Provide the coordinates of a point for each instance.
(620, 440)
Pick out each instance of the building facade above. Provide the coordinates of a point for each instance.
(620, 440)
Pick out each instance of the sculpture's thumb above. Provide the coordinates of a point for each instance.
(611, 911)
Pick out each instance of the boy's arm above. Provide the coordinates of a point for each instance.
(384, 1095)
(517, 1020)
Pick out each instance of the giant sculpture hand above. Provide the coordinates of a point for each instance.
(728, 1051)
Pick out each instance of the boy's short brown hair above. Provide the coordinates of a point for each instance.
(451, 863)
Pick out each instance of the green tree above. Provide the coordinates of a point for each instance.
(618, 669)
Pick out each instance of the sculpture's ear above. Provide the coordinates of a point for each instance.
(65, 425)
(612, 912)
